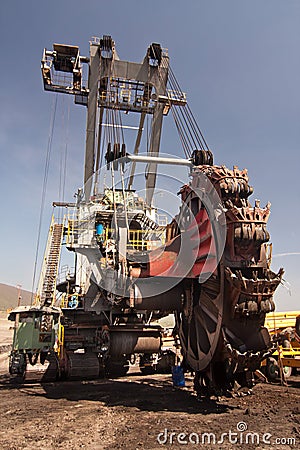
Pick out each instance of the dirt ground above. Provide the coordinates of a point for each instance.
(142, 412)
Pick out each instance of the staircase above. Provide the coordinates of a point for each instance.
(148, 226)
(47, 284)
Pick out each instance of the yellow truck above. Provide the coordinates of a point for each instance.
(284, 327)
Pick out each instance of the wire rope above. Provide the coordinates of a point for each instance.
(44, 190)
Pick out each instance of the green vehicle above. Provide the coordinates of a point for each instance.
(35, 341)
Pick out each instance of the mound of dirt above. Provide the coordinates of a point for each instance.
(9, 297)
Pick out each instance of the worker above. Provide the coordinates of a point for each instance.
(100, 232)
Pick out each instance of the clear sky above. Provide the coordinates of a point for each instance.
(237, 60)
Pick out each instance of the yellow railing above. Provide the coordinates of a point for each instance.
(70, 301)
(76, 230)
(138, 239)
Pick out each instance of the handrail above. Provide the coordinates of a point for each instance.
(137, 238)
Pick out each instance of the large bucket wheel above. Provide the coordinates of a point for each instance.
(199, 323)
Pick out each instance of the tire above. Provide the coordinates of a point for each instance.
(272, 369)
(287, 371)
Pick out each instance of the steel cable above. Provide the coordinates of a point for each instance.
(44, 190)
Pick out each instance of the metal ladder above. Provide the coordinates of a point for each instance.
(148, 225)
(47, 283)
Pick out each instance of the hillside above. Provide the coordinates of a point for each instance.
(9, 297)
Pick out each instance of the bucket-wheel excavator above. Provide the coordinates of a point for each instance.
(209, 265)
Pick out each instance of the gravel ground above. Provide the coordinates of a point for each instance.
(142, 412)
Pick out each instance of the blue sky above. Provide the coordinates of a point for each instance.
(237, 60)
